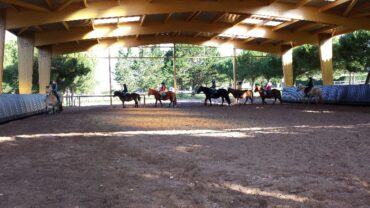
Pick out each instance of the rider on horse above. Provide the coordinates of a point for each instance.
(309, 87)
(124, 91)
(213, 87)
(55, 89)
(162, 91)
(268, 87)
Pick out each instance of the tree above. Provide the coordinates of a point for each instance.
(353, 51)
(306, 61)
(74, 73)
(140, 73)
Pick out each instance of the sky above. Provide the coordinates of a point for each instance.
(102, 67)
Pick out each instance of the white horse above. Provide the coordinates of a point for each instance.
(313, 93)
(51, 101)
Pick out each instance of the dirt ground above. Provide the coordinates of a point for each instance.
(287, 155)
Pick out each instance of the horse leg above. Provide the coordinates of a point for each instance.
(136, 104)
(160, 101)
(123, 104)
(205, 102)
(156, 102)
(222, 104)
(274, 101)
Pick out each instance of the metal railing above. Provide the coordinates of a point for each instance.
(347, 82)
(94, 100)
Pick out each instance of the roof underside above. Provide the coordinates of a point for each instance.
(262, 25)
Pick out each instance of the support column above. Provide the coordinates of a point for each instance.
(44, 68)
(287, 60)
(174, 68)
(326, 58)
(110, 79)
(25, 63)
(2, 47)
(234, 68)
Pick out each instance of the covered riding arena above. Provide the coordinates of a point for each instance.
(289, 155)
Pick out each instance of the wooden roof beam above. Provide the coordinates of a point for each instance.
(350, 7)
(332, 5)
(167, 18)
(110, 31)
(285, 24)
(22, 30)
(26, 5)
(193, 16)
(64, 5)
(85, 3)
(257, 7)
(66, 26)
(142, 20)
(303, 2)
(49, 3)
(133, 42)
(219, 17)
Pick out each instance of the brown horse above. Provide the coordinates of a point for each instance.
(168, 96)
(127, 97)
(238, 94)
(274, 93)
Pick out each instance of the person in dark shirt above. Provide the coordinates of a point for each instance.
(55, 89)
(309, 86)
(213, 87)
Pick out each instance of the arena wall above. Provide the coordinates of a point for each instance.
(335, 94)
(14, 106)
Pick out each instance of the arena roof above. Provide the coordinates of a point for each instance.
(262, 25)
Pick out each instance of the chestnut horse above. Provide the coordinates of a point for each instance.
(238, 94)
(274, 93)
(158, 97)
(127, 97)
(51, 101)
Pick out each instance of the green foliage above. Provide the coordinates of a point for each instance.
(353, 51)
(75, 73)
(141, 73)
(306, 61)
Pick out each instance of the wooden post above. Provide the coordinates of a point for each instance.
(174, 67)
(234, 68)
(44, 68)
(25, 63)
(326, 58)
(2, 47)
(287, 61)
(110, 78)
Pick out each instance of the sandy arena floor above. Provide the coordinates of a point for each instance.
(241, 156)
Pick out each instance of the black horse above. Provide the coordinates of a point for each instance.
(224, 94)
(127, 97)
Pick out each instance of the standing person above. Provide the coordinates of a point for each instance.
(162, 91)
(309, 86)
